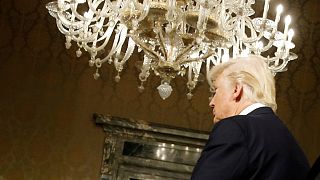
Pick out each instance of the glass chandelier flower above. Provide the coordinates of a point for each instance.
(176, 36)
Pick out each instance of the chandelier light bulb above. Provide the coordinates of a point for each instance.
(289, 44)
(287, 22)
(288, 19)
(290, 35)
(280, 8)
(279, 11)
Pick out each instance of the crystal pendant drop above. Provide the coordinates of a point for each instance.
(164, 90)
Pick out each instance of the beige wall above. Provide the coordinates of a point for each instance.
(48, 96)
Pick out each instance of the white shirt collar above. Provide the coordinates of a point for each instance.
(251, 108)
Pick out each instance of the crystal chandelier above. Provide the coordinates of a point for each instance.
(176, 36)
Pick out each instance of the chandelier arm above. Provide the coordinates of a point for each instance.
(116, 43)
(109, 30)
(61, 27)
(231, 24)
(161, 42)
(268, 46)
(129, 51)
(254, 36)
(66, 32)
(145, 48)
(222, 15)
(78, 39)
(81, 39)
(207, 55)
(146, 8)
(93, 37)
(251, 39)
(278, 67)
(106, 36)
(227, 25)
(123, 37)
(66, 22)
(73, 8)
(93, 6)
(184, 51)
(75, 13)
(197, 59)
(251, 26)
(191, 60)
(196, 69)
(201, 23)
(105, 9)
(271, 39)
(252, 45)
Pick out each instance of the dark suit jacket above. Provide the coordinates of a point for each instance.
(314, 172)
(257, 146)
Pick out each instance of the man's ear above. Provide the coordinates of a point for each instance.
(237, 93)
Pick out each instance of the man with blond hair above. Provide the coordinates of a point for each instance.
(248, 140)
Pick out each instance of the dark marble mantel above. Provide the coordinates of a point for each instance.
(136, 150)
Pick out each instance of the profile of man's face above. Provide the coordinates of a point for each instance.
(221, 102)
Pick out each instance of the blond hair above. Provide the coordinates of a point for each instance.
(253, 73)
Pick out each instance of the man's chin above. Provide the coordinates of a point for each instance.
(215, 120)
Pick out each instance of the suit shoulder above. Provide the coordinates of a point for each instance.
(229, 128)
(235, 122)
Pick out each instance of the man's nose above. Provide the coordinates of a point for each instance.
(211, 103)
